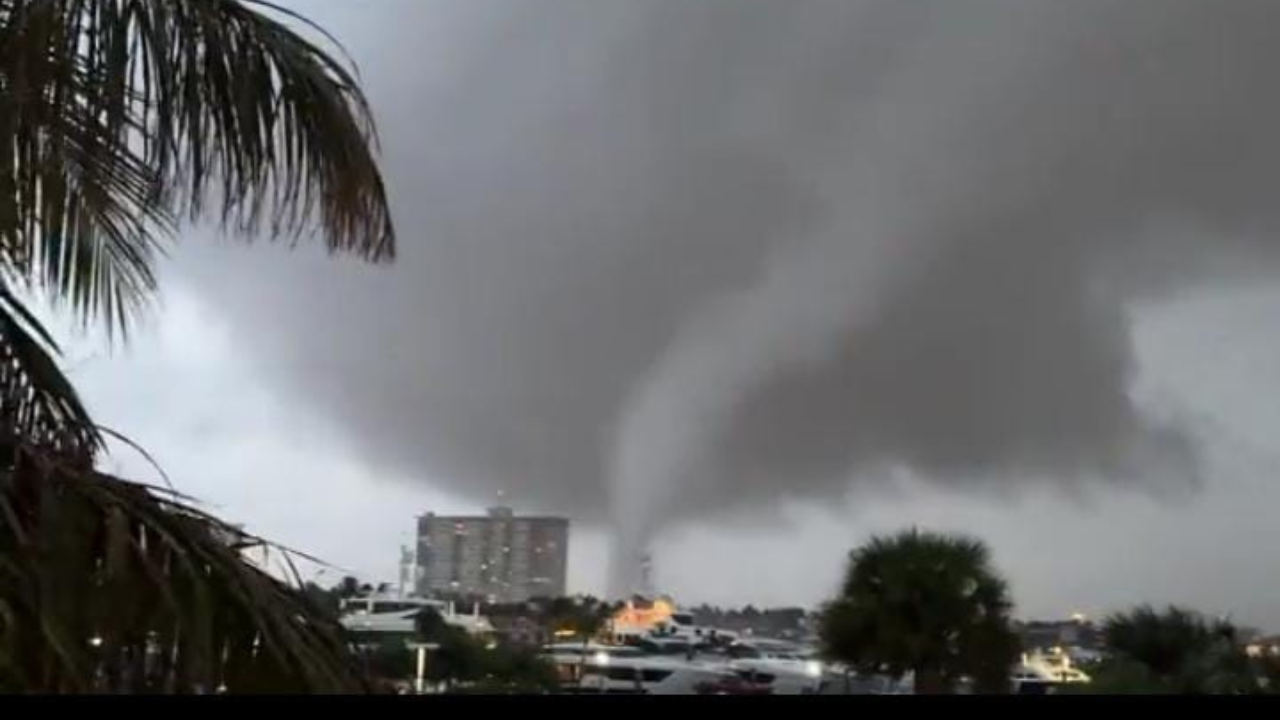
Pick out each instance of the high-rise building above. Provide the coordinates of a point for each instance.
(500, 556)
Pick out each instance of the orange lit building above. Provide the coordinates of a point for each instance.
(640, 616)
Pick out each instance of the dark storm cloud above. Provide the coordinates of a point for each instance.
(675, 256)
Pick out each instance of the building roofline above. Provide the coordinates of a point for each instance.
(460, 518)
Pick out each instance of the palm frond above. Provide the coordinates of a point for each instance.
(38, 405)
(120, 119)
(123, 117)
(108, 585)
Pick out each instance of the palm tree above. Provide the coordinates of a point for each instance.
(1173, 651)
(120, 120)
(923, 603)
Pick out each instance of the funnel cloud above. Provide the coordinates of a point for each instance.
(664, 259)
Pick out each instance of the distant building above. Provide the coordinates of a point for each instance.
(501, 557)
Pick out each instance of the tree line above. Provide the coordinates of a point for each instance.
(934, 607)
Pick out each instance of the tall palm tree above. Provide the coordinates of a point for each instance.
(119, 121)
(923, 603)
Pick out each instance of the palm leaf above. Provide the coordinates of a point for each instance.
(38, 405)
(119, 120)
(109, 585)
(123, 117)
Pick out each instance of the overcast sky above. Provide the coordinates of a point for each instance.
(748, 281)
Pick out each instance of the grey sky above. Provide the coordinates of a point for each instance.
(757, 279)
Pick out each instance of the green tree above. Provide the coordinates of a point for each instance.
(1173, 651)
(431, 627)
(321, 600)
(463, 662)
(123, 119)
(584, 616)
(348, 587)
(504, 669)
(923, 603)
(390, 660)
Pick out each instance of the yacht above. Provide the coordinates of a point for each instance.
(597, 668)
(571, 659)
(387, 613)
(787, 668)
(680, 626)
(1040, 672)
(656, 675)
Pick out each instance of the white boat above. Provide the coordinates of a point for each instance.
(595, 668)
(571, 659)
(786, 668)
(680, 626)
(386, 613)
(651, 675)
(571, 653)
(1041, 671)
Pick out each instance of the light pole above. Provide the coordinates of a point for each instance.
(420, 678)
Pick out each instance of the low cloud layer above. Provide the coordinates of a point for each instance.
(664, 258)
